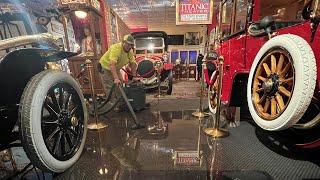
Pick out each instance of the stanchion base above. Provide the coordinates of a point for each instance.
(199, 114)
(155, 129)
(97, 126)
(216, 132)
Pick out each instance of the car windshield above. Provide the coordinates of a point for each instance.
(149, 43)
(282, 11)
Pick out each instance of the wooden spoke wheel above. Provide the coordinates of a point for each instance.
(281, 82)
(273, 84)
(212, 94)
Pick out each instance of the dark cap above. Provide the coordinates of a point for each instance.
(128, 39)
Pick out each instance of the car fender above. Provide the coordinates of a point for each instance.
(19, 66)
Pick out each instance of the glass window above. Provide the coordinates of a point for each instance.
(158, 51)
(155, 51)
(84, 34)
(183, 56)
(226, 18)
(174, 56)
(282, 11)
(193, 57)
(149, 42)
(241, 15)
(140, 51)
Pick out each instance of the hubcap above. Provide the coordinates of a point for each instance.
(271, 85)
(62, 121)
(74, 121)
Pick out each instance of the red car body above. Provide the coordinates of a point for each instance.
(239, 49)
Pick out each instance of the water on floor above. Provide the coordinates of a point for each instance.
(173, 145)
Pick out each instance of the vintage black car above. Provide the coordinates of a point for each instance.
(43, 108)
(40, 108)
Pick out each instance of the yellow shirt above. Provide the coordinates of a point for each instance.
(116, 53)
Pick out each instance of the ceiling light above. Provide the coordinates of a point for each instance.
(81, 14)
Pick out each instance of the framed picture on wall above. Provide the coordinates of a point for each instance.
(192, 38)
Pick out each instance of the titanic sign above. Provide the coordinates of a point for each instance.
(194, 11)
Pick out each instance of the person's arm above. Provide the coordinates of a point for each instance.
(114, 56)
(113, 70)
(133, 67)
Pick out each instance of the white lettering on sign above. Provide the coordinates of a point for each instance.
(194, 17)
(194, 8)
(187, 158)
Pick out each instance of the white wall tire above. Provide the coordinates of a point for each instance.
(284, 115)
(212, 92)
(32, 121)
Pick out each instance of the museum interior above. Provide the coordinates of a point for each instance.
(159, 89)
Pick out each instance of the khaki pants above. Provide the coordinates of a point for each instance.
(107, 81)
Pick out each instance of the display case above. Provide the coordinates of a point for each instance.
(87, 19)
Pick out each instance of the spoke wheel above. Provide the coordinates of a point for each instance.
(62, 121)
(53, 120)
(281, 82)
(273, 84)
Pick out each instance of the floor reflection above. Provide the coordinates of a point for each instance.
(118, 152)
(181, 151)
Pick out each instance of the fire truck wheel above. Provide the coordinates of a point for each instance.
(52, 120)
(281, 82)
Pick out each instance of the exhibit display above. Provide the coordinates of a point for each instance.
(150, 50)
(88, 20)
(45, 105)
(159, 89)
(270, 63)
(39, 106)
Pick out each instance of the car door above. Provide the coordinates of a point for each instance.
(233, 22)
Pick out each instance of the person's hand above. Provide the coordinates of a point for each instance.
(117, 81)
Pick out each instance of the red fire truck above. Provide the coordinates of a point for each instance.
(271, 52)
(150, 51)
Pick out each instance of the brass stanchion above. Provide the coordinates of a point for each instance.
(199, 113)
(158, 128)
(159, 95)
(158, 67)
(96, 125)
(215, 131)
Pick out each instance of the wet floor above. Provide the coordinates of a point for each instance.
(174, 146)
